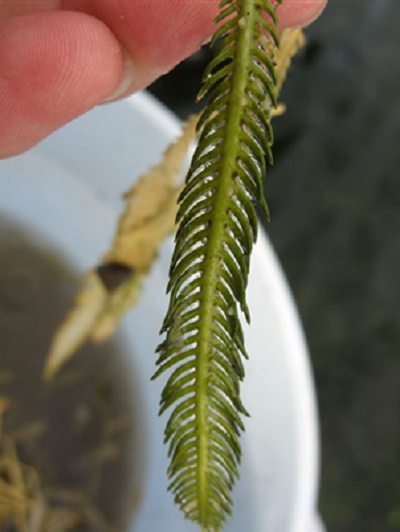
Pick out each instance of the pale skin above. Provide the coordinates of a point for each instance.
(60, 58)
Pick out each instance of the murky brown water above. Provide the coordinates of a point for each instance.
(82, 427)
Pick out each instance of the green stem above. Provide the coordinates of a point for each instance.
(212, 264)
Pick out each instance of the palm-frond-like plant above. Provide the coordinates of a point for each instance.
(217, 219)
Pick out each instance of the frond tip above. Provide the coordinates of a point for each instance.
(217, 220)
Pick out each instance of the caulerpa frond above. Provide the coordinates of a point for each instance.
(217, 227)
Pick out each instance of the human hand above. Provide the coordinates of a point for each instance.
(60, 58)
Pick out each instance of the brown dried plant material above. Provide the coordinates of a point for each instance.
(78, 325)
(118, 303)
(4, 406)
(151, 207)
(31, 431)
(291, 42)
(106, 452)
(25, 506)
(111, 289)
(6, 377)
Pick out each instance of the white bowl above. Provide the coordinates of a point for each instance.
(69, 190)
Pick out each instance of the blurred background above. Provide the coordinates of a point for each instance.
(334, 197)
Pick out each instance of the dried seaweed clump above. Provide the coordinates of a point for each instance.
(26, 506)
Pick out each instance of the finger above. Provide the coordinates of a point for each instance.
(53, 67)
(15, 8)
(299, 13)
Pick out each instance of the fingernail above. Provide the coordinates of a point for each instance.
(128, 76)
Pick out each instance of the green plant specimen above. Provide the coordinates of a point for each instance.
(208, 276)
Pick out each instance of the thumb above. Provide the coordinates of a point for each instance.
(53, 67)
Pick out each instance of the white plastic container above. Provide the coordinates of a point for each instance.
(68, 190)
